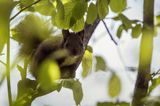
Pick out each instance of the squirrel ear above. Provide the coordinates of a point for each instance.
(65, 33)
(81, 35)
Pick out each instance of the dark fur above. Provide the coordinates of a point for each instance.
(72, 42)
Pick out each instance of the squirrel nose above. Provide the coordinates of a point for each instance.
(74, 52)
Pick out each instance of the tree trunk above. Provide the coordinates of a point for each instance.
(146, 49)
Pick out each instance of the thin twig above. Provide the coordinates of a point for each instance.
(155, 73)
(8, 72)
(2, 62)
(24, 9)
(109, 33)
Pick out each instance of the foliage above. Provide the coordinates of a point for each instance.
(41, 19)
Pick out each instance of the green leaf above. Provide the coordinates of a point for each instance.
(76, 87)
(92, 14)
(77, 92)
(45, 7)
(136, 31)
(48, 73)
(21, 70)
(79, 9)
(60, 10)
(119, 31)
(123, 104)
(118, 5)
(65, 23)
(6, 7)
(79, 25)
(106, 104)
(114, 86)
(125, 21)
(158, 20)
(155, 83)
(87, 63)
(102, 8)
(25, 3)
(100, 63)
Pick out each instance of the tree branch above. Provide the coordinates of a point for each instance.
(146, 50)
(109, 33)
(24, 9)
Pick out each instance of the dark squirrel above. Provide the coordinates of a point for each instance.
(71, 42)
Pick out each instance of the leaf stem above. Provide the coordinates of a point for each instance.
(2, 62)
(109, 32)
(24, 9)
(8, 72)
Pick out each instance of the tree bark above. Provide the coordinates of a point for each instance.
(146, 49)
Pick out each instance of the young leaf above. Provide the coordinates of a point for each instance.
(22, 71)
(155, 83)
(136, 31)
(102, 8)
(118, 5)
(79, 9)
(66, 22)
(114, 86)
(79, 25)
(60, 10)
(100, 63)
(125, 21)
(25, 3)
(48, 73)
(92, 14)
(45, 7)
(119, 31)
(86, 63)
(6, 7)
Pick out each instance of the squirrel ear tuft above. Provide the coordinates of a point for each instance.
(65, 33)
(81, 35)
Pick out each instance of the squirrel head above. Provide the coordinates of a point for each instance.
(73, 42)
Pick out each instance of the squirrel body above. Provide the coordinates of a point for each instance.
(58, 49)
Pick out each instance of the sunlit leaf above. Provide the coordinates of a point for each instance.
(119, 31)
(49, 72)
(60, 9)
(155, 83)
(25, 3)
(87, 63)
(22, 71)
(45, 7)
(79, 25)
(114, 87)
(6, 7)
(92, 14)
(100, 63)
(66, 22)
(79, 9)
(136, 31)
(158, 20)
(118, 5)
(102, 8)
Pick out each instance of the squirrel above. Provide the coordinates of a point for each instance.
(71, 45)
